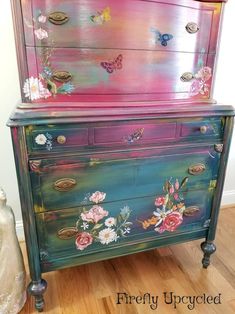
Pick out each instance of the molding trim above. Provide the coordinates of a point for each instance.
(20, 230)
(228, 198)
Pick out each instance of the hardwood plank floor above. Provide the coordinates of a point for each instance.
(93, 288)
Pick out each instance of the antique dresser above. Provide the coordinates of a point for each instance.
(119, 145)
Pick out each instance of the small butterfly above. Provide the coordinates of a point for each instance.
(113, 65)
(101, 17)
(163, 38)
(135, 136)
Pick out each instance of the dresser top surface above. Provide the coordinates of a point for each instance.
(91, 114)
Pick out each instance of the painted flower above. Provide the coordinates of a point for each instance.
(160, 201)
(33, 89)
(83, 240)
(171, 222)
(85, 225)
(107, 236)
(171, 190)
(41, 139)
(125, 210)
(109, 222)
(95, 214)
(97, 197)
(204, 74)
(177, 185)
(161, 215)
(41, 33)
(127, 230)
(42, 18)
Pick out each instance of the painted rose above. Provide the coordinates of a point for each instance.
(40, 33)
(160, 201)
(83, 240)
(95, 214)
(171, 222)
(204, 74)
(42, 18)
(97, 197)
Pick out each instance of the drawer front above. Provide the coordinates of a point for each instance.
(148, 25)
(125, 134)
(99, 227)
(114, 75)
(68, 182)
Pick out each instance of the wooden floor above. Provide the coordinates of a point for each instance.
(93, 288)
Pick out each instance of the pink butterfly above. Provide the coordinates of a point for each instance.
(113, 65)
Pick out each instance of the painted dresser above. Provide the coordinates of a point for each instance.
(119, 146)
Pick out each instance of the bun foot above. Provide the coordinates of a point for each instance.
(208, 248)
(36, 289)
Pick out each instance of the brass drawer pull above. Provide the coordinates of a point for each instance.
(187, 77)
(67, 233)
(204, 129)
(61, 139)
(62, 76)
(192, 28)
(196, 169)
(58, 18)
(65, 184)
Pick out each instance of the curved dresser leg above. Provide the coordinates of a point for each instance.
(36, 289)
(208, 248)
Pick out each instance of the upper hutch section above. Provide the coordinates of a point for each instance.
(80, 51)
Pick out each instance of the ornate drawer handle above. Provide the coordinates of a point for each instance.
(61, 139)
(204, 129)
(192, 28)
(196, 169)
(65, 184)
(62, 76)
(187, 77)
(58, 18)
(67, 233)
(134, 137)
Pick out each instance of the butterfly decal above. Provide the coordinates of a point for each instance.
(163, 38)
(101, 17)
(110, 66)
(135, 136)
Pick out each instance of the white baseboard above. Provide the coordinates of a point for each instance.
(228, 198)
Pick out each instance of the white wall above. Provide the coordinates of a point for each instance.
(10, 94)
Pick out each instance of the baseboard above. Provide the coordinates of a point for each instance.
(20, 230)
(228, 198)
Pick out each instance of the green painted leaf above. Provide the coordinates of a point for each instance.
(184, 182)
(97, 226)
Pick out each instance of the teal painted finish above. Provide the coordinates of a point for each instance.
(50, 223)
(143, 175)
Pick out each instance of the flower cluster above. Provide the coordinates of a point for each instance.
(94, 225)
(42, 139)
(43, 86)
(199, 85)
(170, 207)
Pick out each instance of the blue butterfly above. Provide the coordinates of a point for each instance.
(163, 38)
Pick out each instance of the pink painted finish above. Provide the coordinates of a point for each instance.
(129, 25)
(145, 75)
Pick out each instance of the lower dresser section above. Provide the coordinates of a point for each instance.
(97, 190)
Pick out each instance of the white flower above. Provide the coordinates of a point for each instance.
(85, 225)
(33, 89)
(109, 222)
(41, 33)
(42, 19)
(107, 235)
(41, 139)
(97, 197)
(161, 215)
(127, 230)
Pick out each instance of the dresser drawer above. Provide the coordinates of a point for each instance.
(124, 134)
(68, 182)
(118, 75)
(104, 226)
(149, 25)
